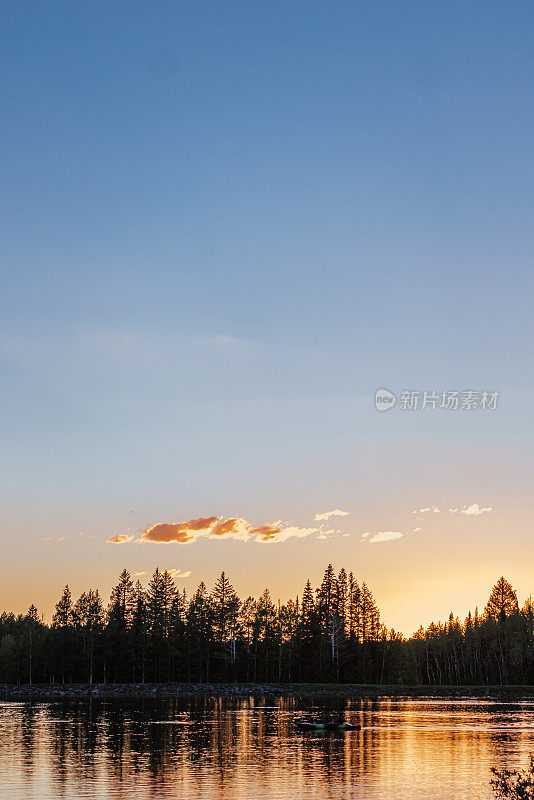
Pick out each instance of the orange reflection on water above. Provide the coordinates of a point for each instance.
(251, 748)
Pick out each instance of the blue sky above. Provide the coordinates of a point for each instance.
(227, 224)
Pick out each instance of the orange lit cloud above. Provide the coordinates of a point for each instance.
(180, 532)
(121, 538)
(271, 534)
(215, 528)
(232, 528)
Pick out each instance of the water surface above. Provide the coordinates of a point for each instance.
(250, 748)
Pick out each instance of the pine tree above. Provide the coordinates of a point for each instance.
(63, 621)
(502, 601)
(200, 632)
(139, 632)
(326, 597)
(30, 636)
(225, 605)
(88, 613)
(354, 594)
(121, 602)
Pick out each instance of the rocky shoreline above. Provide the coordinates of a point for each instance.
(111, 691)
(132, 691)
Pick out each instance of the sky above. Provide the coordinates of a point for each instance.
(225, 227)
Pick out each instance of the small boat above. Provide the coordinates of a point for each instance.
(327, 726)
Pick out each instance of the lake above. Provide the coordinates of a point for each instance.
(249, 748)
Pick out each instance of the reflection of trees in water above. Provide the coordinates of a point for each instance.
(29, 714)
(239, 748)
(114, 742)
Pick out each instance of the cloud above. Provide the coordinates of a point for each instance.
(475, 510)
(137, 574)
(327, 514)
(231, 528)
(271, 534)
(216, 528)
(179, 573)
(426, 509)
(121, 538)
(180, 532)
(385, 536)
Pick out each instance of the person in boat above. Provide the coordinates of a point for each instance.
(335, 721)
(340, 719)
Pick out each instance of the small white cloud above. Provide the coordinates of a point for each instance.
(475, 510)
(178, 573)
(327, 514)
(453, 510)
(386, 536)
(433, 509)
(137, 574)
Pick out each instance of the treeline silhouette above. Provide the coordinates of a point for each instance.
(332, 633)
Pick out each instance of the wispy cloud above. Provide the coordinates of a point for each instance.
(385, 536)
(327, 514)
(138, 574)
(272, 534)
(426, 509)
(55, 538)
(179, 573)
(215, 528)
(121, 538)
(474, 510)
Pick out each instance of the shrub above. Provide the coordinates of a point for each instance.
(514, 784)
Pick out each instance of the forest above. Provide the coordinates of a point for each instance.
(332, 633)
